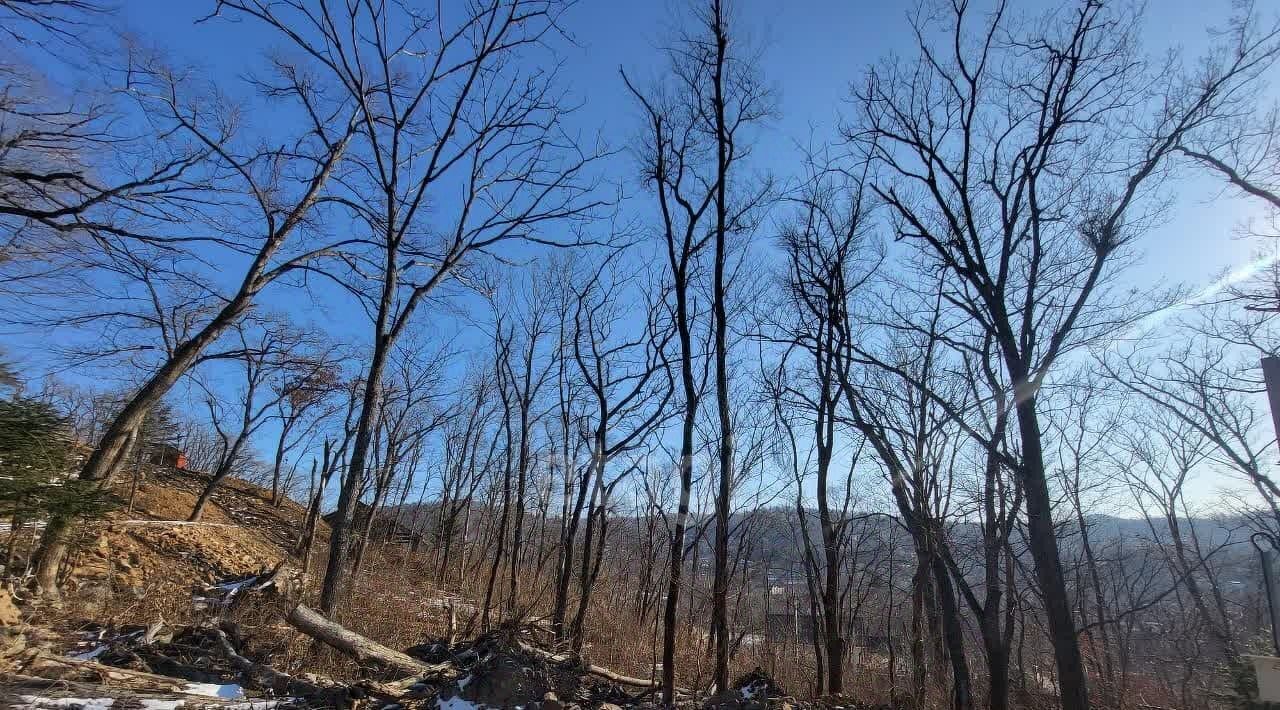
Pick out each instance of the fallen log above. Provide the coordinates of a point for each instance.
(282, 684)
(18, 690)
(593, 670)
(313, 624)
(70, 669)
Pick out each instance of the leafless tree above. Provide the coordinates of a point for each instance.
(629, 383)
(443, 98)
(669, 160)
(1012, 205)
(295, 415)
(829, 256)
(707, 107)
(469, 446)
(274, 366)
(408, 415)
(280, 187)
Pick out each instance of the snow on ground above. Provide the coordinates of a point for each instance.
(90, 654)
(35, 701)
(227, 691)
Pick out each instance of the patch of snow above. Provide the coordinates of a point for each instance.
(457, 703)
(35, 701)
(462, 683)
(153, 704)
(228, 691)
(233, 587)
(90, 654)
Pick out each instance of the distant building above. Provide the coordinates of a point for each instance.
(166, 455)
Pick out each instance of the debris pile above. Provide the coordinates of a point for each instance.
(213, 664)
(232, 637)
(756, 689)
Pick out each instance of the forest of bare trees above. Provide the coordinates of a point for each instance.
(901, 411)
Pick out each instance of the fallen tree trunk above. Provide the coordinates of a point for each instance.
(17, 690)
(70, 669)
(282, 684)
(315, 625)
(593, 670)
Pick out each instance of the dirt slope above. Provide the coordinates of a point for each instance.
(136, 565)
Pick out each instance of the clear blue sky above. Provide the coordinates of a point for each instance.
(811, 50)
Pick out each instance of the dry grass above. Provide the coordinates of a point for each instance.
(145, 573)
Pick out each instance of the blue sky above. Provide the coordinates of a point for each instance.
(810, 51)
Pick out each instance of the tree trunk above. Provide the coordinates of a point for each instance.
(197, 511)
(359, 647)
(953, 637)
(720, 591)
(340, 532)
(1048, 565)
(682, 512)
(53, 541)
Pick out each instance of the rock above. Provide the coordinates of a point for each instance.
(12, 643)
(609, 706)
(551, 702)
(9, 614)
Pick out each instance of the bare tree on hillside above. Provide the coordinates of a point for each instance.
(447, 101)
(277, 190)
(333, 452)
(668, 161)
(469, 447)
(274, 366)
(694, 141)
(828, 258)
(738, 100)
(528, 367)
(409, 414)
(988, 147)
(627, 376)
(294, 413)
(1163, 454)
(1210, 381)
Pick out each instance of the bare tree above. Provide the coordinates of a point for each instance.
(467, 460)
(630, 384)
(443, 98)
(274, 367)
(828, 258)
(1207, 376)
(282, 186)
(738, 99)
(668, 163)
(293, 411)
(408, 415)
(1011, 203)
